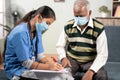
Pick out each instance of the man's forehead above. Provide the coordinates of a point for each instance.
(80, 8)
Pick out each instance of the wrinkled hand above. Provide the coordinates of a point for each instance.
(66, 62)
(88, 75)
(55, 66)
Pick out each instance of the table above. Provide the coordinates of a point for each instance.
(48, 75)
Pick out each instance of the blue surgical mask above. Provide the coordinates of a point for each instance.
(81, 20)
(41, 27)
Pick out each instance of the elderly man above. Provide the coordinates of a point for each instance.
(87, 49)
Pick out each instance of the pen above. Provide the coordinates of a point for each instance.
(54, 59)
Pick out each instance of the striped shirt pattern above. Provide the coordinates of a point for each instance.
(82, 47)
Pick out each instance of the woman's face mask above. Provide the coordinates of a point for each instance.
(81, 20)
(41, 27)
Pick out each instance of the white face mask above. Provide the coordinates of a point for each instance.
(81, 20)
(41, 27)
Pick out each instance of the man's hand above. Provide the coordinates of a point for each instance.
(88, 75)
(66, 62)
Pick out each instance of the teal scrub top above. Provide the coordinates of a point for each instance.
(19, 49)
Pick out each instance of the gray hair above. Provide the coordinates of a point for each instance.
(83, 2)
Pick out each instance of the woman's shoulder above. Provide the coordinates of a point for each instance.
(19, 30)
(22, 27)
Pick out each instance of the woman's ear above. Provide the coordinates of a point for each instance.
(38, 18)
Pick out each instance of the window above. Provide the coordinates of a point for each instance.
(1, 18)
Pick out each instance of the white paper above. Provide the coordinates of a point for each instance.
(50, 71)
(63, 74)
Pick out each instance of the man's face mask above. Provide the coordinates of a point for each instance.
(81, 20)
(41, 27)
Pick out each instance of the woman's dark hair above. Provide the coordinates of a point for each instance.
(45, 11)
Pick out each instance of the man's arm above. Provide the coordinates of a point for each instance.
(101, 58)
(102, 52)
(60, 46)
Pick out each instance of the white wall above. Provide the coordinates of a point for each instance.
(63, 12)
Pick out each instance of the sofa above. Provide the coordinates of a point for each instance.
(113, 64)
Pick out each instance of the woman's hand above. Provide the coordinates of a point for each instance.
(52, 63)
(55, 66)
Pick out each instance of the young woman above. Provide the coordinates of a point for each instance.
(24, 49)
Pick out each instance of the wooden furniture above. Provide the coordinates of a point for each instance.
(115, 4)
(1, 62)
(113, 20)
(109, 21)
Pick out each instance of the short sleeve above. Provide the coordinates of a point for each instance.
(21, 45)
